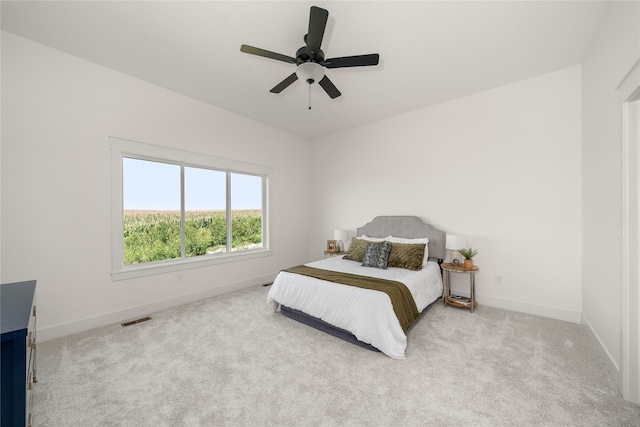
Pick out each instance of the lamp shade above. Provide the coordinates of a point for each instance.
(455, 242)
(340, 235)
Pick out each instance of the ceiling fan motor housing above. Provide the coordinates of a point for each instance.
(304, 55)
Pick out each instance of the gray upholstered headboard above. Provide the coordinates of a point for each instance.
(408, 227)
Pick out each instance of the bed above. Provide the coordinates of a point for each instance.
(367, 317)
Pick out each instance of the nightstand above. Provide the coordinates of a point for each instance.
(447, 269)
(331, 254)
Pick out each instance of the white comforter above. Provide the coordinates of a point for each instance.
(366, 313)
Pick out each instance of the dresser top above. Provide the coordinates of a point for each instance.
(16, 300)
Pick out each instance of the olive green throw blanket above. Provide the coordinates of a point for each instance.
(401, 299)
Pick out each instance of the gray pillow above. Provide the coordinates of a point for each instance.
(377, 255)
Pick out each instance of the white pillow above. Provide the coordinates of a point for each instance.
(425, 240)
(373, 239)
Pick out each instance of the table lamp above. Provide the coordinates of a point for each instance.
(453, 243)
(339, 236)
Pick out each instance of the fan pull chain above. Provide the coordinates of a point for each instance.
(309, 96)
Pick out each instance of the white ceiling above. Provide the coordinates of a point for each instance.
(430, 51)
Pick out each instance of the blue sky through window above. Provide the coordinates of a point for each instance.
(150, 185)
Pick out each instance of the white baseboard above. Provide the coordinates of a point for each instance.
(537, 310)
(609, 363)
(63, 329)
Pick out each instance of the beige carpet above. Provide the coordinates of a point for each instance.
(231, 361)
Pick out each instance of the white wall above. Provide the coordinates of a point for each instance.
(612, 54)
(501, 167)
(58, 112)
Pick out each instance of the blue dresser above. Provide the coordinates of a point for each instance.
(18, 352)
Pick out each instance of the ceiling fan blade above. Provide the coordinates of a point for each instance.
(352, 61)
(328, 87)
(284, 84)
(267, 54)
(317, 23)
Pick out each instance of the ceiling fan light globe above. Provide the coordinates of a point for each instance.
(310, 71)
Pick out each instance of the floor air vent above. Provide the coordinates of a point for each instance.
(133, 322)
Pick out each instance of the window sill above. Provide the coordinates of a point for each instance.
(160, 267)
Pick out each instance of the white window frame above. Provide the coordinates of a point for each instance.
(121, 148)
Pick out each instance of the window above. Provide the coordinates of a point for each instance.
(172, 208)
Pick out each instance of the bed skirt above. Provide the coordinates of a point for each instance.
(323, 326)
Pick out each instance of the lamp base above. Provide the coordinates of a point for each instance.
(456, 258)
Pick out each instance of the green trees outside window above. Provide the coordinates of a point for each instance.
(155, 235)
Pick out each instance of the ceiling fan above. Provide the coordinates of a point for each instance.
(310, 60)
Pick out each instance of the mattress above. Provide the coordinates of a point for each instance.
(367, 314)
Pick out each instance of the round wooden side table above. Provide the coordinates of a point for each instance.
(447, 269)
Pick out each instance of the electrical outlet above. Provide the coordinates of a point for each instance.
(499, 280)
(179, 278)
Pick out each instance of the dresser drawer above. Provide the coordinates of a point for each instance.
(31, 365)
(32, 323)
(31, 344)
(31, 375)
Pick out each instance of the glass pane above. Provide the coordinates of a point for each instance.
(246, 212)
(151, 210)
(205, 211)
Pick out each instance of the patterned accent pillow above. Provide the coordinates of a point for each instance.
(413, 242)
(377, 255)
(406, 255)
(357, 248)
